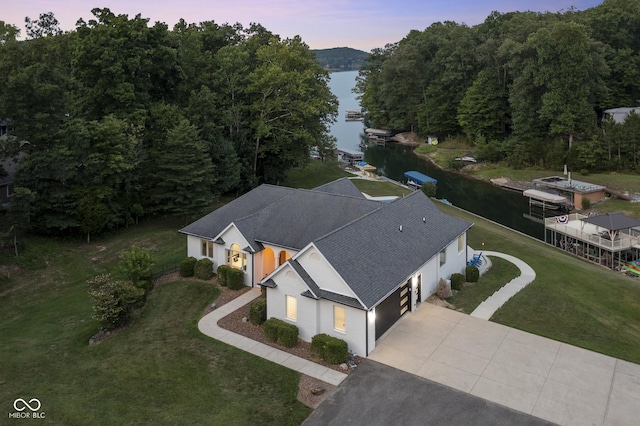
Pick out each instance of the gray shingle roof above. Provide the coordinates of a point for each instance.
(373, 256)
(253, 201)
(342, 186)
(316, 292)
(301, 217)
(359, 237)
(613, 221)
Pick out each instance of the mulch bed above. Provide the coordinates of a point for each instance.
(311, 391)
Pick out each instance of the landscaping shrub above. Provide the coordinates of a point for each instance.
(472, 273)
(318, 343)
(187, 267)
(443, 291)
(270, 328)
(584, 172)
(331, 349)
(287, 335)
(282, 332)
(235, 278)
(586, 203)
(258, 312)
(203, 269)
(222, 274)
(336, 351)
(457, 281)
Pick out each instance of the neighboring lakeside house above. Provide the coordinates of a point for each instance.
(332, 261)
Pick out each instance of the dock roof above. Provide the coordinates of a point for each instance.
(613, 221)
(419, 178)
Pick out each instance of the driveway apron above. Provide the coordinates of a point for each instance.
(554, 381)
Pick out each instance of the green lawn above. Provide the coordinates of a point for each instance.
(316, 173)
(159, 370)
(380, 189)
(501, 272)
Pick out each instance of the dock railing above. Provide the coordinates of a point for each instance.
(587, 233)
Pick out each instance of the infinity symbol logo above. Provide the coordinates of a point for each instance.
(26, 404)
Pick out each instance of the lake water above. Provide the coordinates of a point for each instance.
(479, 197)
(348, 133)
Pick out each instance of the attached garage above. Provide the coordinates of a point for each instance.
(392, 308)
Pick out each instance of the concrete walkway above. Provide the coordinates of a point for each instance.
(208, 325)
(487, 308)
(554, 381)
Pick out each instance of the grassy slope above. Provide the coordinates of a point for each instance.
(159, 370)
(571, 300)
(500, 273)
(380, 189)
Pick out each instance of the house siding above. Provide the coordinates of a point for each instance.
(355, 334)
(322, 273)
(456, 262)
(289, 283)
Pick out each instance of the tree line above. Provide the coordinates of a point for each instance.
(121, 119)
(529, 88)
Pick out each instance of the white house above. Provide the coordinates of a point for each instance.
(332, 261)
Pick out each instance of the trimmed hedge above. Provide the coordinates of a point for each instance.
(222, 274)
(258, 312)
(287, 335)
(270, 328)
(457, 281)
(235, 278)
(282, 332)
(472, 273)
(331, 349)
(187, 267)
(203, 269)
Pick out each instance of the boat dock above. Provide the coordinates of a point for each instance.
(416, 179)
(354, 115)
(513, 185)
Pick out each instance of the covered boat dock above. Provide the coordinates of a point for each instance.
(611, 240)
(417, 179)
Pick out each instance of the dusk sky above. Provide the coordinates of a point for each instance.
(321, 23)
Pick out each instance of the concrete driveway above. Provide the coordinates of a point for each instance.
(532, 374)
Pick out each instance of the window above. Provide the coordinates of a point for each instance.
(207, 248)
(461, 243)
(236, 258)
(291, 307)
(339, 318)
(443, 257)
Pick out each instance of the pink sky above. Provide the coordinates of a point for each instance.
(321, 23)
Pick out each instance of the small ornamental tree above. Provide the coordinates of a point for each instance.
(429, 189)
(113, 301)
(135, 266)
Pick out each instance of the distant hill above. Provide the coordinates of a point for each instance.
(340, 58)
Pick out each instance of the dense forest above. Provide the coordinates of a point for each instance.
(529, 88)
(121, 118)
(341, 58)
